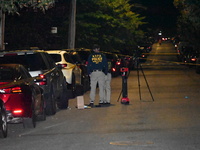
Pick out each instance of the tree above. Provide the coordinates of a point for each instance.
(189, 20)
(110, 23)
(13, 6)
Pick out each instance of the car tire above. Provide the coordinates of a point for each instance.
(73, 86)
(30, 122)
(85, 83)
(64, 98)
(51, 104)
(79, 90)
(3, 122)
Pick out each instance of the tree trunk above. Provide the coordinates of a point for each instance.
(72, 25)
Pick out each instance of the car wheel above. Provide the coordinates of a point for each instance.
(30, 122)
(64, 98)
(3, 122)
(85, 83)
(73, 85)
(51, 104)
(79, 90)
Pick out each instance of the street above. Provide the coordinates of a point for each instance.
(166, 120)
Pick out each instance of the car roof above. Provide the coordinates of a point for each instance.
(11, 65)
(56, 51)
(21, 52)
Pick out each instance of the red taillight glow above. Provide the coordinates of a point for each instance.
(118, 63)
(17, 111)
(16, 90)
(193, 59)
(43, 77)
(64, 65)
(11, 54)
(113, 69)
(13, 90)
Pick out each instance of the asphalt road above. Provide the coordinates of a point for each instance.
(170, 122)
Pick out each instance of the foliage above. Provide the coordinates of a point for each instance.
(110, 23)
(189, 21)
(13, 6)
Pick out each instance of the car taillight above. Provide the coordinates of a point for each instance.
(143, 55)
(64, 65)
(17, 111)
(11, 54)
(44, 81)
(113, 69)
(118, 63)
(86, 63)
(193, 59)
(12, 90)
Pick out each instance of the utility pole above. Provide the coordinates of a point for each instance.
(72, 25)
(2, 27)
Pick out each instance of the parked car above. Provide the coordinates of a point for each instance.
(40, 63)
(182, 50)
(71, 70)
(23, 98)
(146, 47)
(190, 57)
(115, 63)
(81, 64)
(3, 120)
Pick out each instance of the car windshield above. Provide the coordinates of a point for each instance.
(32, 62)
(6, 74)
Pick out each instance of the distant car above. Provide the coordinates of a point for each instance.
(115, 63)
(40, 63)
(145, 47)
(71, 70)
(3, 120)
(22, 97)
(190, 57)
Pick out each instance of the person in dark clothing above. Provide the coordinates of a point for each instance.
(97, 69)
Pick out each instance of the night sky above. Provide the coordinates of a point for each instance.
(160, 14)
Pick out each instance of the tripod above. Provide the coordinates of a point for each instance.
(138, 64)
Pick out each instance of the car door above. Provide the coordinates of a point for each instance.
(57, 76)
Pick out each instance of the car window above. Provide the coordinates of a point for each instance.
(84, 54)
(51, 62)
(56, 57)
(76, 58)
(68, 58)
(6, 74)
(31, 62)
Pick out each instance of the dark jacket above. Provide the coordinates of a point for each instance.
(97, 61)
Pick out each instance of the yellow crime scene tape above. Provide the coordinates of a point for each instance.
(84, 49)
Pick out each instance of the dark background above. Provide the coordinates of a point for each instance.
(160, 14)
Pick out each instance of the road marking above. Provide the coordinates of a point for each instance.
(136, 143)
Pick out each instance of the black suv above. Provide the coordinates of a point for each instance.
(39, 63)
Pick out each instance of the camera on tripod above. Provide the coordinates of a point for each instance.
(124, 71)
